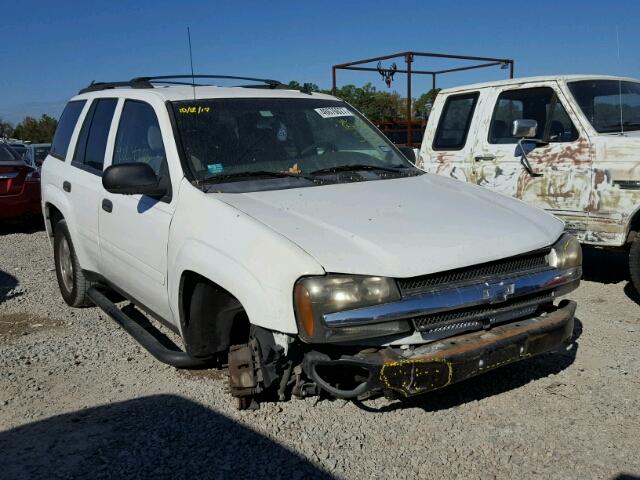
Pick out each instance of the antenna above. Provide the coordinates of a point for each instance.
(619, 81)
(193, 78)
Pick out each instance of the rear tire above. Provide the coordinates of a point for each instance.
(71, 280)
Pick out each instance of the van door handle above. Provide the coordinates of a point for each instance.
(484, 158)
(107, 206)
(66, 186)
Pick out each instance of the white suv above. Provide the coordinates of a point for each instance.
(279, 232)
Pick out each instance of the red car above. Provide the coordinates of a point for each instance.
(19, 186)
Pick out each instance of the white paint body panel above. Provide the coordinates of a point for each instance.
(400, 227)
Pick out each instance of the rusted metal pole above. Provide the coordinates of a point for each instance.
(409, 60)
(333, 72)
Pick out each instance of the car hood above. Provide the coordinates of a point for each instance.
(400, 227)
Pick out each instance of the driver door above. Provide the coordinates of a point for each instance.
(134, 229)
(561, 157)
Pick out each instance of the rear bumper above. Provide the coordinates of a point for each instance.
(450, 360)
(26, 202)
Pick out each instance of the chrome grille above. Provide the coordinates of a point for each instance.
(483, 315)
(531, 262)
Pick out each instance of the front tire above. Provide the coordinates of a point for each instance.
(71, 280)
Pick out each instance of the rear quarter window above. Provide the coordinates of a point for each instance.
(455, 120)
(66, 125)
(92, 141)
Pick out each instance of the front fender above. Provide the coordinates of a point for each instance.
(213, 264)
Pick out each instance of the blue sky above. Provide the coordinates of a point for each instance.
(49, 50)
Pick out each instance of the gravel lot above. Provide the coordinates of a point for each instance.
(79, 398)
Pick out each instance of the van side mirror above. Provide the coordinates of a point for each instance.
(524, 128)
(131, 179)
(409, 153)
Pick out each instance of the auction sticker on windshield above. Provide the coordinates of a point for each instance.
(331, 112)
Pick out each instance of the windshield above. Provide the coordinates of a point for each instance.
(612, 106)
(18, 148)
(261, 139)
(8, 155)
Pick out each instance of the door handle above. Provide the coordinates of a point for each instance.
(107, 206)
(66, 186)
(484, 158)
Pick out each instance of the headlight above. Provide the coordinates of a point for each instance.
(565, 253)
(316, 296)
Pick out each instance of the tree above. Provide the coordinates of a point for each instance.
(36, 131)
(375, 105)
(305, 87)
(6, 129)
(422, 106)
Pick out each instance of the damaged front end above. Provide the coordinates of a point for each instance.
(417, 370)
(363, 336)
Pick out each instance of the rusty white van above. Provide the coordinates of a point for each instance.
(567, 144)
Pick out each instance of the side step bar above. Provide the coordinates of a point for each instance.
(175, 358)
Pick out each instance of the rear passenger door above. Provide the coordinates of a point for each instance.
(450, 151)
(83, 180)
(134, 229)
(562, 160)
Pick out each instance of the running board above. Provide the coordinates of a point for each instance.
(175, 358)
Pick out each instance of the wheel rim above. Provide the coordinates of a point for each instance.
(66, 265)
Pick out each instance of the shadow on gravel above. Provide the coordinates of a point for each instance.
(32, 225)
(161, 436)
(7, 283)
(604, 266)
(491, 383)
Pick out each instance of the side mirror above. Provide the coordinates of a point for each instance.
(524, 128)
(409, 153)
(131, 179)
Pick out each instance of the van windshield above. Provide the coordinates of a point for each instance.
(227, 140)
(612, 106)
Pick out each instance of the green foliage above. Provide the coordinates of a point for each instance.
(422, 106)
(305, 87)
(36, 131)
(376, 105)
(6, 129)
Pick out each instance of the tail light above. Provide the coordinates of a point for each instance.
(11, 179)
(33, 176)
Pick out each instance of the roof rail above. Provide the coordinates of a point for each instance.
(147, 82)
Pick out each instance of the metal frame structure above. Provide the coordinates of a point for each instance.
(409, 59)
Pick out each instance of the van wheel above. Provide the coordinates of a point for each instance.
(71, 280)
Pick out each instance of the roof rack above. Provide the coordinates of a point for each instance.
(147, 82)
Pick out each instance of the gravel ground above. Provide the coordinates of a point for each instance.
(78, 398)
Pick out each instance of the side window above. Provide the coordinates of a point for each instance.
(455, 120)
(540, 104)
(92, 141)
(64, 130)
(139, 139)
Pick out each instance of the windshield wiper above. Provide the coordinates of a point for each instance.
(355, 167)
(249, 174)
